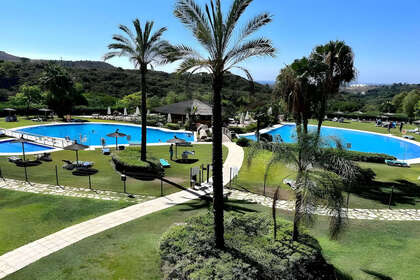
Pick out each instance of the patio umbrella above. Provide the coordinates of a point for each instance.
(176, 141)
(169, 118)
(241, 118)
(125, 112)
(137, 111)
(108, 111)
(270, 111)
(76, 147)
(247, 116)
(187, 117)
(9, 110)
(116, 134)
(21, 140)
(45, 110)
(148, 112)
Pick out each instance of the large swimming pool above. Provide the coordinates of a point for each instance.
(91, 133)
(358, 140)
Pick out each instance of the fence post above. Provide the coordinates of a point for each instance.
(56, 175)
(161, 187)
(230, 177)
(26, 174)
(390, 197)
(90, 183)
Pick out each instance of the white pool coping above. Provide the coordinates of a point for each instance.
(409, 161)
(93, 147)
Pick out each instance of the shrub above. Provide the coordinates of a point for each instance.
(266, 137)
(172, 126)
(363, 156)
(243, 142)
(188, 251)
(128, 162)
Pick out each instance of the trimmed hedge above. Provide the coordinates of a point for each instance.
(188, 251)
(128, 162)
(172, 126)
(243, 142)
(363, 156)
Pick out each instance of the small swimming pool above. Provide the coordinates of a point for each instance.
(358, 140)
(91, 133)
(8, 147)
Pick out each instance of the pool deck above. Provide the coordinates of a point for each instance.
(409, 161)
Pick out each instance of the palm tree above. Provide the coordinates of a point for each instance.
(321, 177)
(225, 51)
(294, 85)
(335, 66)
(144, 49)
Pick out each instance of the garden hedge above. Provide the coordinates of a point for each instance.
(188, 251)
(128, 162)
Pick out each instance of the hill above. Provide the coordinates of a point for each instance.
(99, 80)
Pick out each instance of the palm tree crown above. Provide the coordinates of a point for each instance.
(226, 48)
(144, 49)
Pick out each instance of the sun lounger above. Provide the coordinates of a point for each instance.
(396, 163)
(106, 151)
(44, 157)
(413, 130)
(409, 137)
(164, 163)
(83, 163)
(14, 159)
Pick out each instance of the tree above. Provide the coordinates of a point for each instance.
(61, 94)
(144, 49)
(294, 85)
(320, 180)
(397, 101)
(27, 95)
(130, 101)
(216, 34)
(334, 64)
(409, 103)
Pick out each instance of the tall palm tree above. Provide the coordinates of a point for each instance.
(320, 179)
(226, 48)
(144, 49)
(335, 66)
(294, 85)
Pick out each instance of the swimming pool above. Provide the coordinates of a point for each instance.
(8, 147)
(91, 133)
(358, 140)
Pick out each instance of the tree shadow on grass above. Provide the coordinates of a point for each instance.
(238, 206)
(405, 192)
(377, 275)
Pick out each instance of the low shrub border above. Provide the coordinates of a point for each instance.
(128, 162)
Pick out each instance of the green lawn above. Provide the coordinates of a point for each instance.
(368, 126)
(26, 217)
(130, 251)
(22, 122)
(107, 178)
(404, 180)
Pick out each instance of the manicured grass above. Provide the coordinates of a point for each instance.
(404, 180)
(26, 217)
(107, 178)
(130, 251)
(369, 126)
(22, 122)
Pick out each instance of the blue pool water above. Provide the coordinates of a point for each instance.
(10, 147)
(91, 133)
(360, 141)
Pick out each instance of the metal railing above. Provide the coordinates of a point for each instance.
(40, 139)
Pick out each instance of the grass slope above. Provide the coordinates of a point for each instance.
(130, 251)
(26, 217)
(107, 178)
(404, 180)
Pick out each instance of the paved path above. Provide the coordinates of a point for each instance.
(31, 252)
(17, 185)
(361, 214)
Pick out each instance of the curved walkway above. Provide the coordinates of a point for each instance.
(31, 252)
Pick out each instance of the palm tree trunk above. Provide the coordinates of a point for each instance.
(296, 219)
(143, 70)
(218, 161)
(321, 114)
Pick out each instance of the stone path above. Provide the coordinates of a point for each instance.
(17, 185)
(361, 214)
(31, 252)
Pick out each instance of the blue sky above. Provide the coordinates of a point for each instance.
(384, 34)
